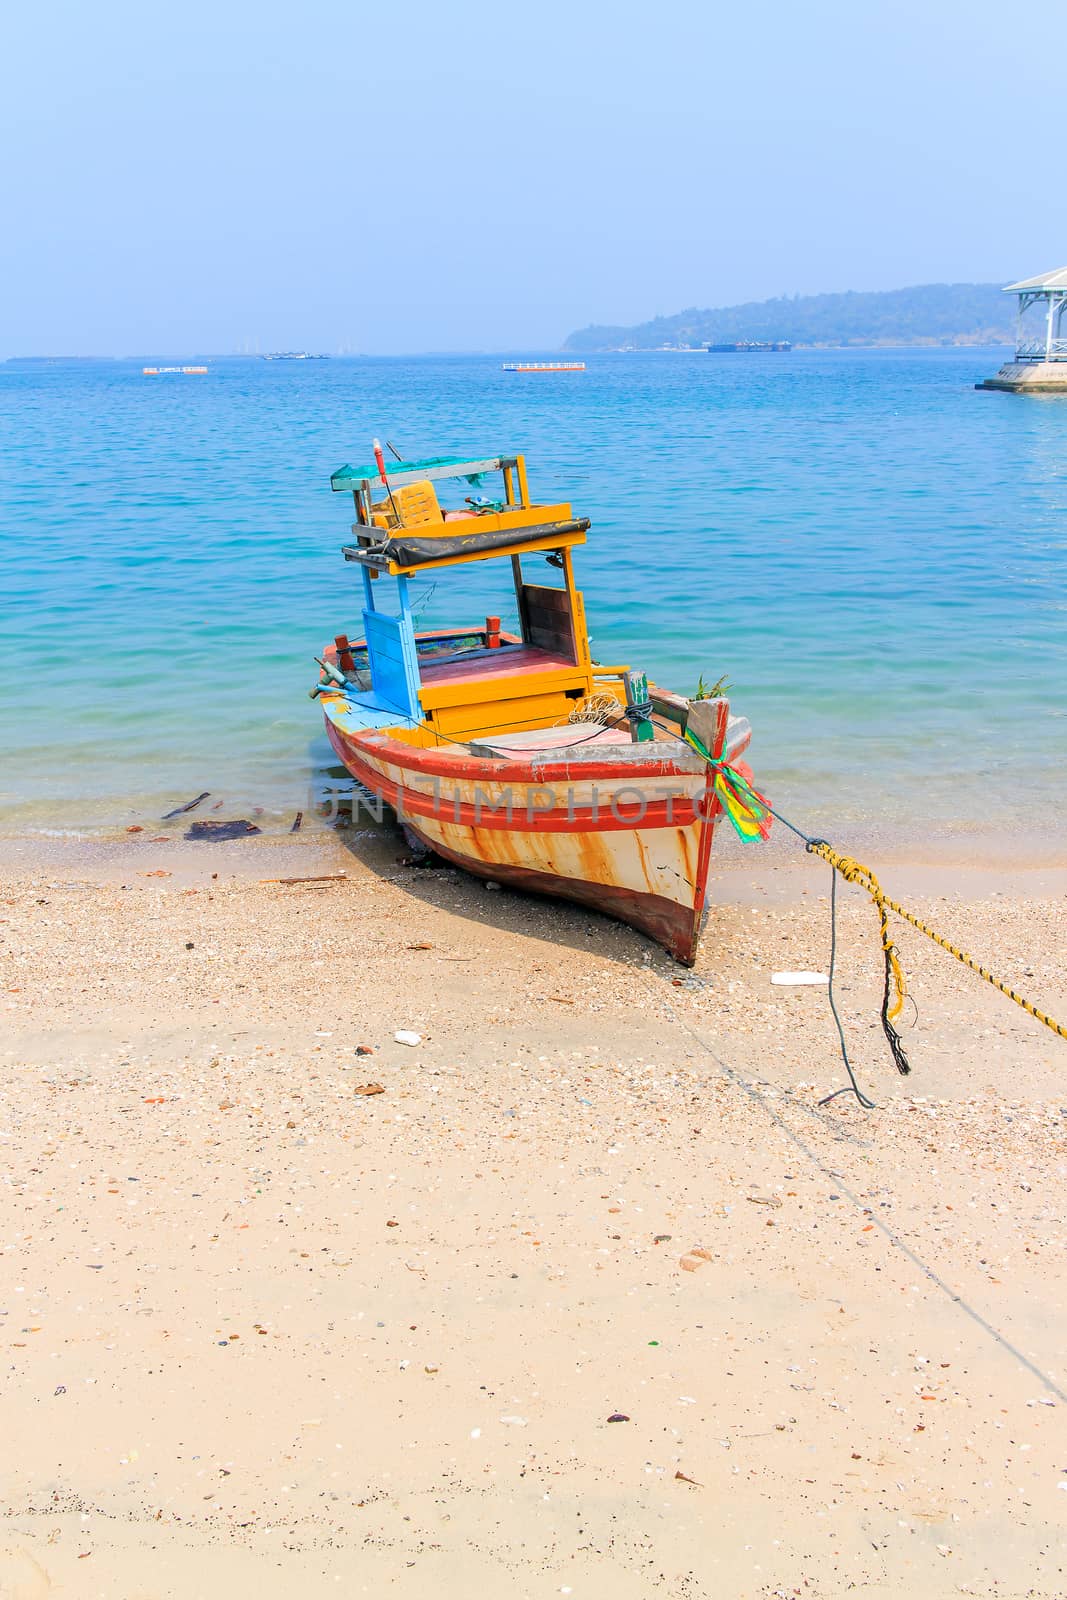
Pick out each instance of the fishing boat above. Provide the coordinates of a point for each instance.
(511, 752)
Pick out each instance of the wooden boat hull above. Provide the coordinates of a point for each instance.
(624, 832)
(671, 924)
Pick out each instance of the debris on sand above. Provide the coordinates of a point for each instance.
(217, 831)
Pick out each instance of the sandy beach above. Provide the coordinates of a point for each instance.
(591, 1299)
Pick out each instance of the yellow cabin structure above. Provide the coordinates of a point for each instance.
(457, 684)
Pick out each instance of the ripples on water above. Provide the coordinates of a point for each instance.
(873, 552)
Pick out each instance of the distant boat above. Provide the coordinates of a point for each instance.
(157, 372)
(294, 355)
(750, 346)
(543, 366)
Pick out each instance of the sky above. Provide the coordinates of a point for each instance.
(323, 174)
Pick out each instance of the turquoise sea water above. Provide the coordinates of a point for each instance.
(873, 552)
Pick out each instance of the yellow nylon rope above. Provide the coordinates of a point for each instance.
(856, 872)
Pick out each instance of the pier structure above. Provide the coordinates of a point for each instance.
(1040, 361)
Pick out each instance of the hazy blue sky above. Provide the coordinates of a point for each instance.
(486, 176)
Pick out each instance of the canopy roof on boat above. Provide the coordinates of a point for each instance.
(405, 550)
(405, 472)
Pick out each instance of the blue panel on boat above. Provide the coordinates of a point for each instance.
(393, 657)
(356, 712)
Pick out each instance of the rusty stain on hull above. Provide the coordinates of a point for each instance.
(643, 876)
(674, 926)
(683, 846)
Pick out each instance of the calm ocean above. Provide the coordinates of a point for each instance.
(874, 553)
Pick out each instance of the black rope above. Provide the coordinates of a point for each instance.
(896, 1045)
(899, 1058)
(641, 712)
(852, 1087)
(893, 1039)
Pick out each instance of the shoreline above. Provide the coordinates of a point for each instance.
(949, 806)
(973, 857)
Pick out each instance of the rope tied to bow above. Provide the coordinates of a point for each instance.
(751, 813)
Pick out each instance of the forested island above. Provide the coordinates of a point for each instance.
(930, 314)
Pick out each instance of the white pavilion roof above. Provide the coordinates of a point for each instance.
(1044, 280)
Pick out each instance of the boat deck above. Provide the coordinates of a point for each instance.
(520, 745)
(509, 662)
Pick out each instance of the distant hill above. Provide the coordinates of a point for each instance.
(932, 313)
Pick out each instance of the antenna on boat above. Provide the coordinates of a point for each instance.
(380, 460)
(389, 445)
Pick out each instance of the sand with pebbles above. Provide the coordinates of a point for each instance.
(263, 1333)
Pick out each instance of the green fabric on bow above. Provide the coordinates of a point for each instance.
(747, 809)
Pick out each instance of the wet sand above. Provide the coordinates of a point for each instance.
(266, 1334)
